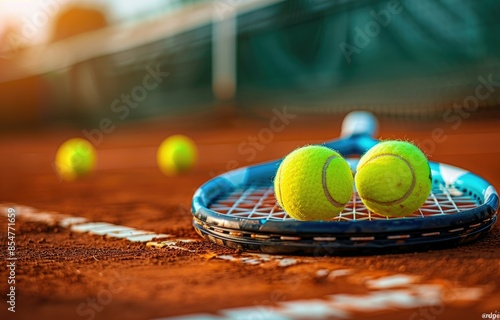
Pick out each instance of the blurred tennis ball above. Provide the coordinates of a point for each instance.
(176, 154)
(313, 183)
(75, 158)
(393, 178)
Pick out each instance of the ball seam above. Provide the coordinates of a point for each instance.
(325, 187)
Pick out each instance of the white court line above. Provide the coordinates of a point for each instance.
(397, 280)
(89, 227)
(343, 306)
(82, 225)
(127, 233)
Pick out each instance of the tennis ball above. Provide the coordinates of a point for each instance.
(75, 158)
(176, 154)
(313, 183)
(393, 178)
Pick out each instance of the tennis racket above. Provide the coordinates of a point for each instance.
(238, 209)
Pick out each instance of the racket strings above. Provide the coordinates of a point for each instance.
(259, 202)
(251, 202)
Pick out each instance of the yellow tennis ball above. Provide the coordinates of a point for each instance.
(393, 178)
(176, 154)
(75, 158)
(313, 183)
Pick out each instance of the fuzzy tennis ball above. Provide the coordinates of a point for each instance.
(313, 183)
(176, 154)
(393, 178)
(75, 158)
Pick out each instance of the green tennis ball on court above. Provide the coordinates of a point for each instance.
(313, 183)
(177, 154)
(75, 158)
(393, 178)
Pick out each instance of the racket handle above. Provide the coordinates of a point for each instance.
(359, 123)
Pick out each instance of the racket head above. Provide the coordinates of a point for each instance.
(238, 209)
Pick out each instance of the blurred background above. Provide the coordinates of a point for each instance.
(78, 62)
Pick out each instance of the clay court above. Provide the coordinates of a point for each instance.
(59, 270)
(120, 243)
